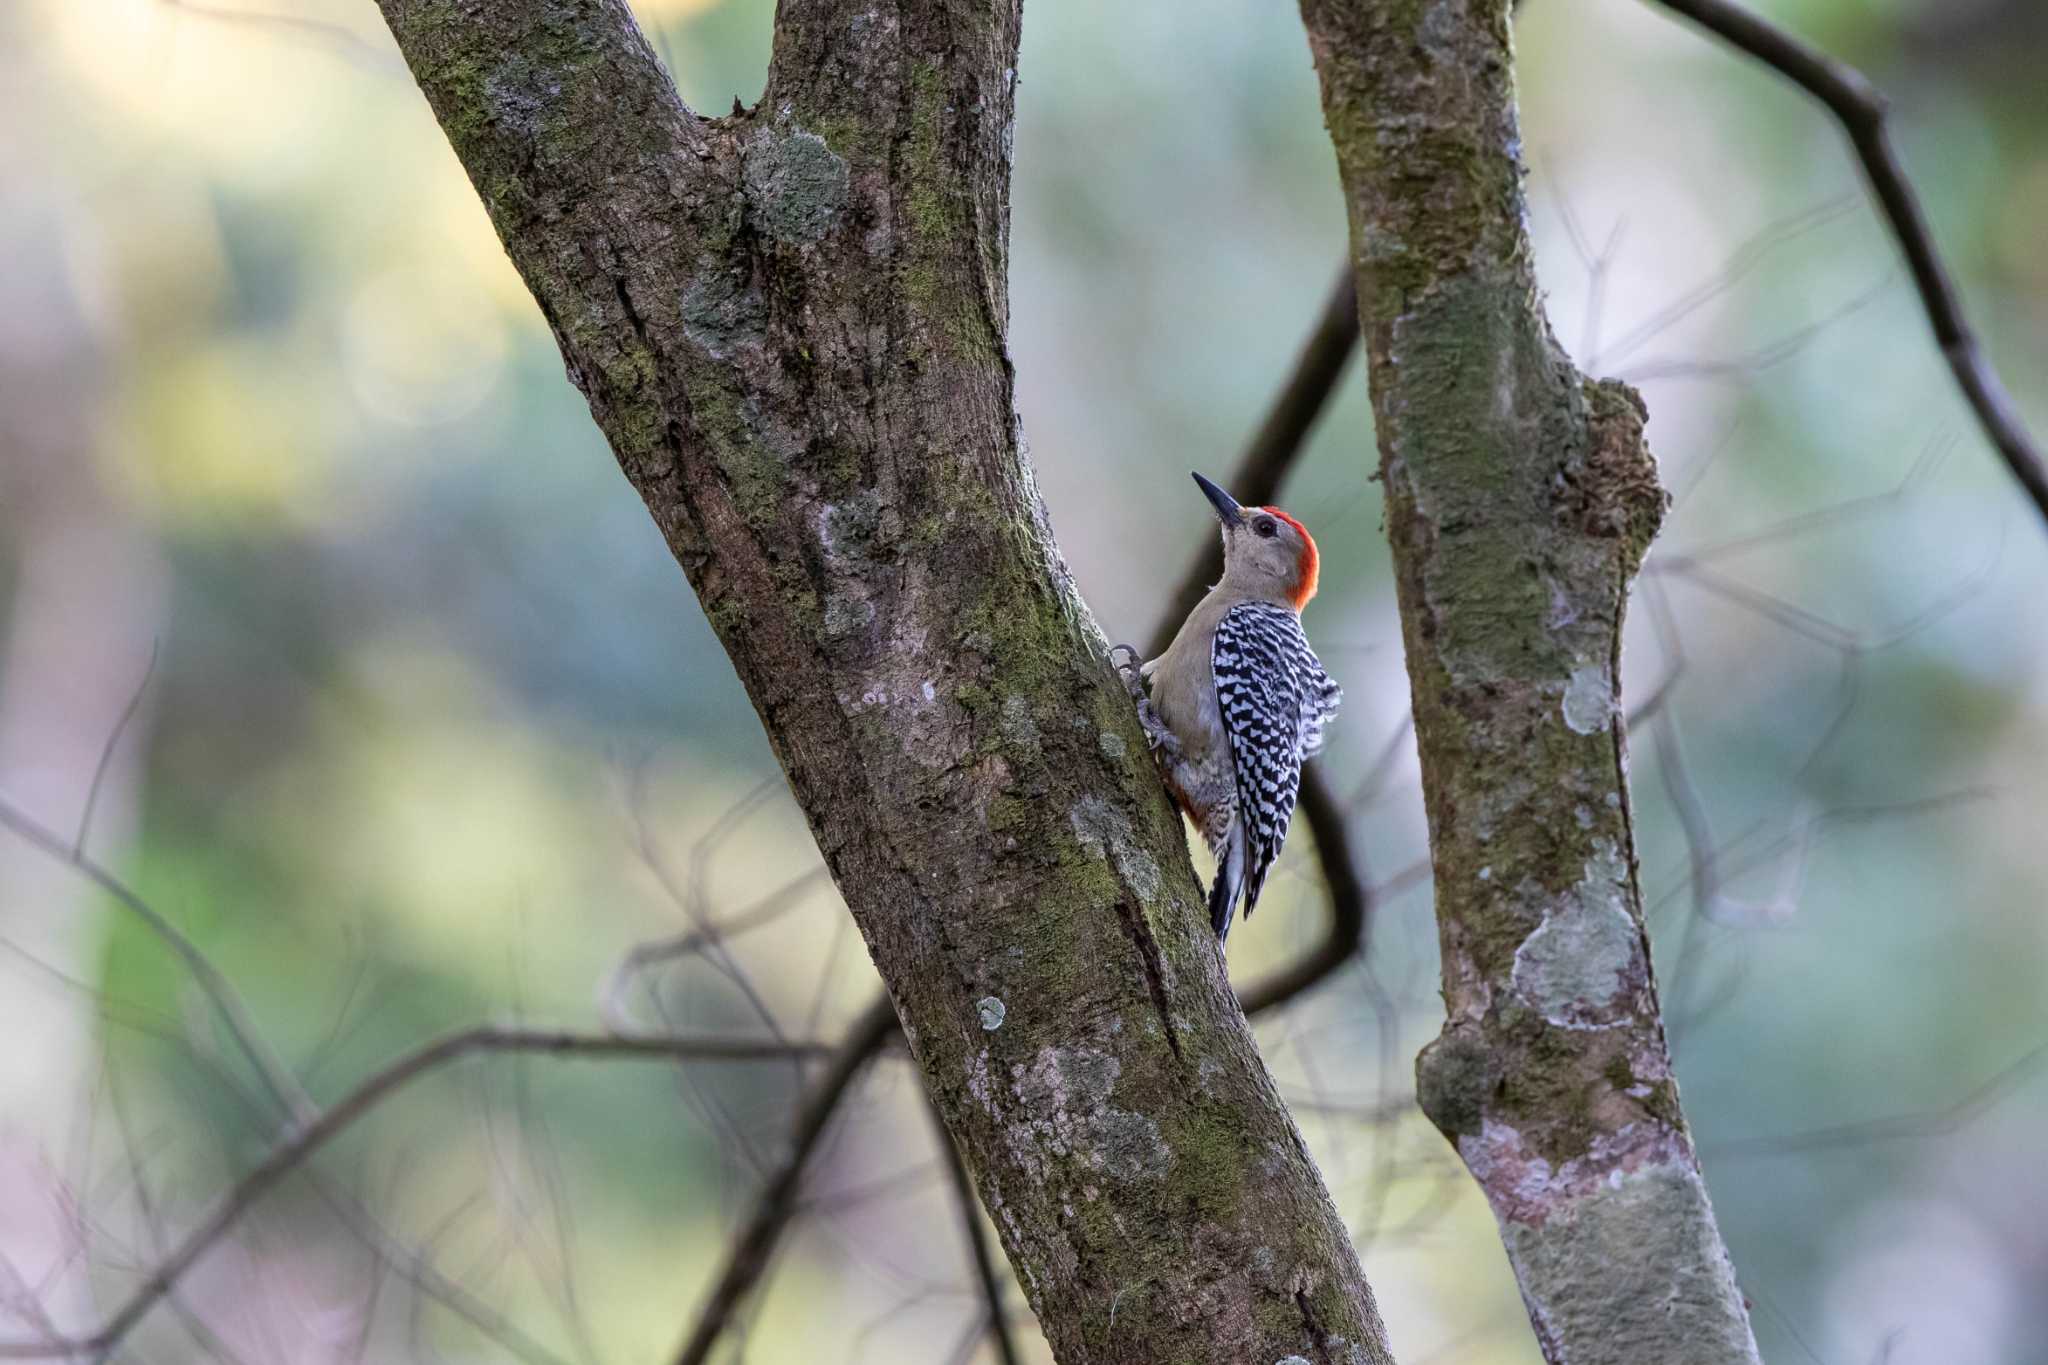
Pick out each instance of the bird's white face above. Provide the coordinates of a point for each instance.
(1269, 556)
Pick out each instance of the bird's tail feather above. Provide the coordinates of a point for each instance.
(1229, 884)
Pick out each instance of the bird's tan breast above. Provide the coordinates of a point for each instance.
(1184, 686)
(1183, 689)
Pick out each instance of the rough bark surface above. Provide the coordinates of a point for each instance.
(1521, 498)
(790, 325)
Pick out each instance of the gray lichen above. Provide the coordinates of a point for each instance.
(1130, 1146)
(1632, 1271)
(1105, 832)
(1578, 965)
(1065, 1094)
(1019, 729)
(795, 182)
(846, 613)
(1589, 700)
(720, 313)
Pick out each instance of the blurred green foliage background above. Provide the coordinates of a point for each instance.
(437, 732)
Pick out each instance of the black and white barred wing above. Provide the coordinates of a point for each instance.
(1320, 698)
(1275, 700)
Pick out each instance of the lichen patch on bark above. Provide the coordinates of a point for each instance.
(1583, 965)
(1105, 833)
(1065, 1111)
(795, 182)
(1589, 705)
(1633, 1272)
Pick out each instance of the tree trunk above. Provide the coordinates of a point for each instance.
(790, 324)
(1520, 501)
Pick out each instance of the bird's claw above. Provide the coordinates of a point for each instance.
(1130, 669)
(1129, 666)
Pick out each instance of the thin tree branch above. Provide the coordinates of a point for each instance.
(1266, 461)
(750, 1249)
(1861, 110)
(203, 1336)
(100, 769)
(1350, 902)
(1892, 1128)
(985, 1272)
(277, 1079)
(357, 1104)
(409, 1263)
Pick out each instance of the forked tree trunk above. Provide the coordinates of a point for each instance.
(790, 325)
(1520, 501)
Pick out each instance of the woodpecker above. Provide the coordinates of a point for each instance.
(1239, 700)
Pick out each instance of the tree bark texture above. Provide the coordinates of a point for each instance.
(1521, 498)
(790, 325)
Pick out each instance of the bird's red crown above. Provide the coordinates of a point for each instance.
(1305, 580)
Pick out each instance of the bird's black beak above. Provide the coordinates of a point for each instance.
(1227, 510)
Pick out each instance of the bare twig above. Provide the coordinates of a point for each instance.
(694, 900)
(986, 1274)
(99, 772)
(1279, 440)
(389, 1252)
(1746, 258)
(748, 1253)
(1350, 903)
(208, 1341)
(415, 1265)
(1861, 110)
(613, 1004)
(1893, 1128)
(1686, 803)
(1741, 368)
(282, 1086)
(324, 1127)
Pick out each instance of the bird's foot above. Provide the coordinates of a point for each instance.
(1158, 737)
(1129, 668)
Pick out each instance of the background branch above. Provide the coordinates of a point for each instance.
(749, 1249)
(1263, 468)
(986, 1275)
(1861, 110)
(324, 1127)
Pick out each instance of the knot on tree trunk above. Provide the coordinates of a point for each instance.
(1455, 1077)
(1608, 487)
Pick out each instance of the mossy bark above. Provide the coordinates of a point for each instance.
(790, 324)
(1521, 498)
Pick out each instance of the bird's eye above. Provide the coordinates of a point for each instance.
(1265, 527)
